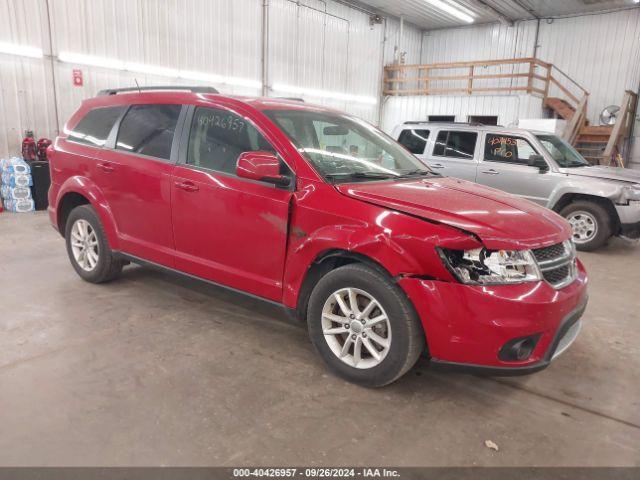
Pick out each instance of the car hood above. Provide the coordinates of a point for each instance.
(499, 219)
(608, 173)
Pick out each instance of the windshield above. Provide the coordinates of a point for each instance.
(563, 153)
(343, 148)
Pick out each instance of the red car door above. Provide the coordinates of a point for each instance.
(227, 229)
(140, 166)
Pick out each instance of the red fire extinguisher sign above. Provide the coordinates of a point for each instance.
(77, 77)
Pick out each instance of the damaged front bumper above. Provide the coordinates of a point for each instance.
(469, 327)
(629, 216)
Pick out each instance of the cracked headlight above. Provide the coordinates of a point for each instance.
(631, 193)
(490, 267)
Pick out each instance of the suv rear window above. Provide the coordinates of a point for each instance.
(455, 144)
(95, 126)
(414, 140)
(148, 130)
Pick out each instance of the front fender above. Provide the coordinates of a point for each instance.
(401, 244)
(593, 187)
(88, 189)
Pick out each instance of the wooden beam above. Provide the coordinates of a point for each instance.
(572, 129)
(479, 63)
(564, 89)
(622, 126)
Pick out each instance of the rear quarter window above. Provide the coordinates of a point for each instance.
(148, 130)
(94, 128)
(414, 140)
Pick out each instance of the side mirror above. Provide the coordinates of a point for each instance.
(538, 162)
(262, 166)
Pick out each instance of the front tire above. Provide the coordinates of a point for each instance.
(363, 326)
(590, 222)
(87, 247)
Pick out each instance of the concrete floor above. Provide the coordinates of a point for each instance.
(153, 369)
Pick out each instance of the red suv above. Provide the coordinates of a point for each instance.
(322, 213)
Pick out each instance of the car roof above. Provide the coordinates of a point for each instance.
(472, 126)
(179, 94)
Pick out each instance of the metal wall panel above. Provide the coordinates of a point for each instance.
(192, 35)
(316, 44)
(508, 108)
(26, 99)
(601, 52)
(325, 46)
(410, 43)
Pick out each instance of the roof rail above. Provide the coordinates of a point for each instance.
(294, 99)
(193, 89)
(473, 124)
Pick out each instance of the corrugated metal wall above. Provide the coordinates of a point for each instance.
(26, 96)
(508, 108)
(601, 52)
(313, 44)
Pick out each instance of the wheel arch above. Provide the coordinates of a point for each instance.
(67, 203)
(78, 191)
(325, 262)
(568, 198)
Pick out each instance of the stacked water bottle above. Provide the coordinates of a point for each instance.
(16, 182)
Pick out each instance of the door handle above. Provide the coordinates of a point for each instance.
(105, 167)
(437, 165)
(187, 186)
(491, 172)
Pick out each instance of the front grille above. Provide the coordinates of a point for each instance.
(549, 253)
(557, 275)
(557, 264)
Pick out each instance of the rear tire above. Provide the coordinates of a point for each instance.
(591, 224)
(87, 247)
(383, 334)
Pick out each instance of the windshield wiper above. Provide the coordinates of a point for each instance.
(576, 164)
(420, 172)
(366, 175)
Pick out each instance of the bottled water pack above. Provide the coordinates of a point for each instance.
(19, 206)
(15, 193)
(16, 178)
(14, 165)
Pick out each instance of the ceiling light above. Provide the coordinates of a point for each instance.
(20, 50)
(312, 92)
(451, 10)
(160, 71)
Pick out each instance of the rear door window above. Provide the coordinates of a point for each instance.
(414, 140)
(455, 144)
(95, 126)
(148, 130)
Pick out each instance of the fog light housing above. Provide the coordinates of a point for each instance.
(518, 349)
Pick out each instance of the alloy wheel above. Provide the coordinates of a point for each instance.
(356, 328)
(84, 245)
